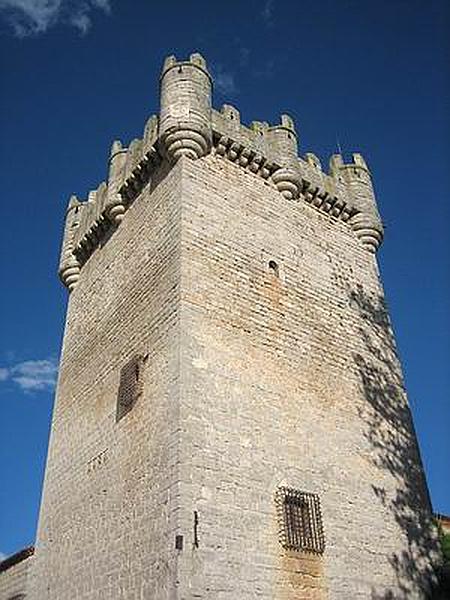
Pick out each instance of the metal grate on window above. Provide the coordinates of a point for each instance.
(300, 520)
(130, 385)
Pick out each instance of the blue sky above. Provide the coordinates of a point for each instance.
(78, 74)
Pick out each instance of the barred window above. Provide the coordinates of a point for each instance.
(300, 520)
(130, 386)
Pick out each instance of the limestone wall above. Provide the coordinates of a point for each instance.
(245, 278)
(255, 377)
(14, 579)
(110, 500)
(188, 126)
(290, 379)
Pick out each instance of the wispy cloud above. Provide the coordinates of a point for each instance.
(267, 12)
(32, 375)
(33, 17)
(244, 56)
(224, 81)
(2, 556)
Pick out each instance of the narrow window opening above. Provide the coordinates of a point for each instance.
(179, 542)
(274, 268)
(195, 528)
(130, 386)
(300, 521)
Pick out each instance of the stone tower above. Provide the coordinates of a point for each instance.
(231, 421)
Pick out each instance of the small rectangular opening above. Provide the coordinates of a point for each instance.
(130, 386)
(179, 542)
(300, 519)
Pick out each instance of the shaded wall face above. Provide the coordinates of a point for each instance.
(269, 361)
(14, 581)
(109, 499)
(289, 376)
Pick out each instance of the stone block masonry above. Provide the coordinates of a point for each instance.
(291, 378)
(14, 572)
(244, 278)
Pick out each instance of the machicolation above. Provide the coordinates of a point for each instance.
(190, 127)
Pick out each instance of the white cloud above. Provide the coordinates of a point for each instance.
(244, 56)
(2, 556)
(224, 82)
(32, 375)
(81, 21)
(103, 4)
(32, 17)
(267, 11)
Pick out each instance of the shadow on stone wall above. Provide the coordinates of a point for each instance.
(390, 431)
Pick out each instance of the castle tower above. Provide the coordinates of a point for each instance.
(231, 421)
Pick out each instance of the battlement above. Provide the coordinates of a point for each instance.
(196, 60)
(231, 420)
(188, 126)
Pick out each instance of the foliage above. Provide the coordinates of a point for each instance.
(442, 589)
(445, 545)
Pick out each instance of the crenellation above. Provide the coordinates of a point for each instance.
(169, 62)
(197, 59)
(150, 134)
(104, 209)
(357, 179)
(91, 198)
(232, 114)
(260, 127)
(313, 160)
(140, 176)
(188, 126)
(318, 182)
(283, 144)
(185, 108)
(253, 137)
(269, 150)
(134, 155)
(116, 174)
(69, 266)
(336, 164)
(93, 221)
(239, 272)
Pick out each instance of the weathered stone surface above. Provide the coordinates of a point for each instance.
(14, 579)
(291, 380)
(268, 360)
(109, 510)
